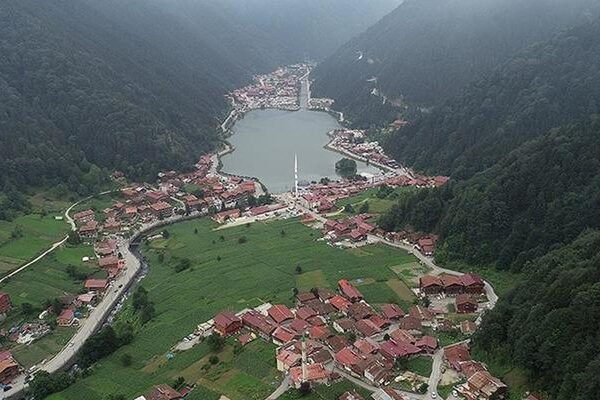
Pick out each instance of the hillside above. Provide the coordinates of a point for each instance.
(547, 85)
(426, 51)
(111, 84)
(311, 29)
(540, 196)
(549, 324)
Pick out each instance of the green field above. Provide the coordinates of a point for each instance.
(421, 365)
(377, 205)
(33, 233)
(225, 275)
(45, 280)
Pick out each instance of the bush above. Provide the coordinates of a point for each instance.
(213, 360)
(126, 360)
(242, 240)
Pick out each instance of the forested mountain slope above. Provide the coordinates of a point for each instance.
(540, 196)
(426, 51)
(550, 323)
(114, 84)
(311, 29)
(547, 85)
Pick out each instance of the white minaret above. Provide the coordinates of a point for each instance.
(296, 175)
(304, 359)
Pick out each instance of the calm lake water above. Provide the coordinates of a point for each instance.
(265, 142)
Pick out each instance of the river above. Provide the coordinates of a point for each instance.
(266, 141)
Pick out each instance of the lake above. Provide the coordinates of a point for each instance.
(265, 142)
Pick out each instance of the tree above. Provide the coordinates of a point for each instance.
(346, 167)
(364, 208)
(166, 234)
(298, 269)
(73, 238)
(242, 239)
(26, 309)
(349, 208)
(213, 360)
(195, 231)
(44, 383)
(215, 342)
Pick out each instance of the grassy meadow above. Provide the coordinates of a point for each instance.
(227, 273)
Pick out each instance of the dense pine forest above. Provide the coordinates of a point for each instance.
(426, 51)
(548, 324)
(138, 86)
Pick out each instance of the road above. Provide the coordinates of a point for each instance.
(55, 245)
(117, 289)
(281, 389)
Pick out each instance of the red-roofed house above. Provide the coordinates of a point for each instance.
(163, 392)
(347, 358)
(340, 303)
(473, 284)
(349, 291)
(392, 311)
(456, 354)
(465, 304)
(315, 374)
(263, 325)
(162, 209)
(283, 335)
(65, 318)
(9, 368)
(5, 303)
(394, 350)
(431, 285)
(98, 285)
(452, 285)
(427, 343)
(227, 323)
(280, 313)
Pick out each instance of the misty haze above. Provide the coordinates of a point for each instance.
(300, 199)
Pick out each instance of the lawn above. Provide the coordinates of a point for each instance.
(421, 365)
(225, 275)
(33, 233)
(43, 348)
(376, 204)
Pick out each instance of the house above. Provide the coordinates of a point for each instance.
(156, 196)
(483, 386)
(340, 303)
(377, 373)
(392, 311)
(426, 246)
(258, 322)
(452, 285)
(349, 291)
(337, 342)
(473, 284)
(427, 343)
(319, 332)
(5, 303)
(456, 354)
(312, 373)
(325, 294)
(305, 297)
(305, 313)
(96, 285)
(343, 325)
(83, 217)
(163, 392)
(89, 230)
(421, 313)
(280, 313)
(287, 359)
(283, 335)
(161, 209)
(410, 324)
(192, 202)
(66, 318)
(366, 346)
(357, 235)
(225, 216)
(393, 351)
(360, 311)
(9, 368)
(299, 326)
(465, 304)
(347, 357)
(367, 328)
(109, 262)
(400, 335)
(87, 298)
(431, 285)
(351, 396)
(227, 323)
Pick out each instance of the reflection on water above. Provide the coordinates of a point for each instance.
(265, 142)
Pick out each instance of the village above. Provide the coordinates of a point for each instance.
(328, 335)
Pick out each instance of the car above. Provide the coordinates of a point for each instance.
(433, 395)
(454, 393)
(7, 388)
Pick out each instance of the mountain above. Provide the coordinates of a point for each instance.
(426, 51)
(549, 325)
(550, 84)
(112, 84)
(311, 29)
